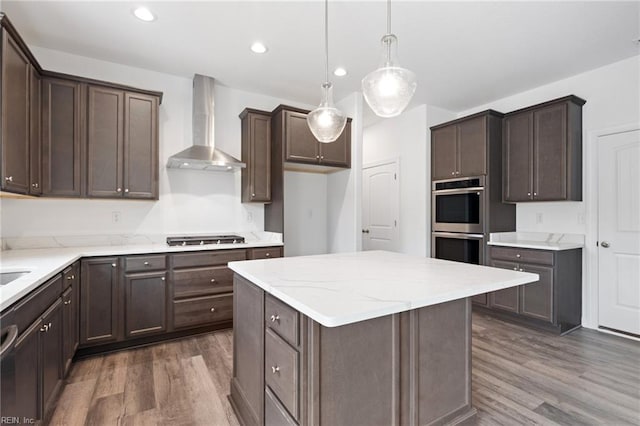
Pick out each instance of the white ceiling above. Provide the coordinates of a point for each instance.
(464, 53)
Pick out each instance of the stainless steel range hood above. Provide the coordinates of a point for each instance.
(203, 155)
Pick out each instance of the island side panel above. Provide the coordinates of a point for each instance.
(439, 366)
(247, 383)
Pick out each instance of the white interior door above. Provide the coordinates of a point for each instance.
(380, 207)
(619, 231)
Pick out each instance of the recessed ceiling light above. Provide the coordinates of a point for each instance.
(144, 14)
(258, 47)
(340, 72)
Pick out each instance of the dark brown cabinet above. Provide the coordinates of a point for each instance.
(122, 144)
(35, 138)
(99, 301)
(554, 302)
(146, 296)
(27, 375)
(300, 146)
(16, 77)
(51, 351)
(70, 315)
(256, 153)
(460, 148)
(543, 152)
(61, 137)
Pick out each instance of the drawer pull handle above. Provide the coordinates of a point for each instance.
(518, 255)
(521, 270)
(268, 254)
(275, 318)
(212, 309)
(213, 280)
(113, 265)
(146, 263)
(44, 328)
(275, 369)
(70, 277)
(515, 268)
(163, 278)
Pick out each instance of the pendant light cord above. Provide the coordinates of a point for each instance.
(388, 16)
(326, 41)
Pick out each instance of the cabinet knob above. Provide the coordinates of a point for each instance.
(212, 309)
(146, 263)
(163, 278)
(457, 173)
(35, 185)
(44, 328)
(535, 194)
(213, 280)
(518, 255)
(119, 190)
(9, 178)
(113, 265)
(275, 369)
(126, 190)
(322, 157)
(67, 302)
(515, 268)
(274, 318)
(268, 254)
(453, 173)
(317, 157)
(70, 277)
(528, 194)
(521, 270)
(253, 194)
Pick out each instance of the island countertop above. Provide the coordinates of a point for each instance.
(340, 289)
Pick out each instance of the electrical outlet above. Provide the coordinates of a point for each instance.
(116, 217)
(539, 218)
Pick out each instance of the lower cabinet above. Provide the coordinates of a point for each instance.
(51, 351)
(199, 311)
(146, 296)
(70, 315)
(27, 376)
(99, 301)
(555, 300)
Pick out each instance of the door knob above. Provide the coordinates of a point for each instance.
(604, 244)
(365, 231)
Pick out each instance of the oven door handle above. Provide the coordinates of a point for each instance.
(9, 336)
(459, 235)
(457, 190)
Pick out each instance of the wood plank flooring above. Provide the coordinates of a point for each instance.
(520, 376)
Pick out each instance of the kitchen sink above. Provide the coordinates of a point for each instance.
(8, 277)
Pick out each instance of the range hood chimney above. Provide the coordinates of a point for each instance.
(203, 155)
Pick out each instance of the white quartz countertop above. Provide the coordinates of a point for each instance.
(340, 289)
(536, 240)
(47, 262)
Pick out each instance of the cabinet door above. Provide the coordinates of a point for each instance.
(61, 162)
(70, 326)
(472, 147)
(506, 299)
(550, 153)
(536, 299)
(337, 153)
(99, 306)
(146, 303)
(104, 142)
(51, 351)
(27, 354)
(300, 144)
(140, 146)
(443, 152)
(258, 151)
(517, 161)
(16, 74)
(35, 139)
(480, 299)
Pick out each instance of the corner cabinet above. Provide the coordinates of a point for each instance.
(460, 148)
(100, 301)
(543, 152)
(301, 147)
(122, 144)
(554, 302)
(256, 153)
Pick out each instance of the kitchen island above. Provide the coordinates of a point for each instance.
(368, 338)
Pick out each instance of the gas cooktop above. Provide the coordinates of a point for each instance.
(195, 240)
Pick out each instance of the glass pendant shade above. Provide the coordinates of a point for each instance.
(326, 122)
(389, 89)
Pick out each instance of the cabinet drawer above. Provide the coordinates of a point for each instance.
(202, 310)
(145, 263)
(282, 319)
(202, 281)
(274, 413)
(265, 252)
(281, 371)
(541, 257)
(68, 275)
(29, 309)
(207, 258)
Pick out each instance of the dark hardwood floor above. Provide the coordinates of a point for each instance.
(520, 376)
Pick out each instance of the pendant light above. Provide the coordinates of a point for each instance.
(389, 89)
(326, 122)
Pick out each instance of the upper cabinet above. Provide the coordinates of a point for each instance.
(16, 76)
(61, 137)
(543, 152)
(461, 148)
(256, 153)
(301, 147)
(122, 144)
(35, 138)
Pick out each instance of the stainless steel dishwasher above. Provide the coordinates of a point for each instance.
(9, 335)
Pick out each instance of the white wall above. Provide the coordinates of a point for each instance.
(405, 137)
(613, 100)
(190, 201)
